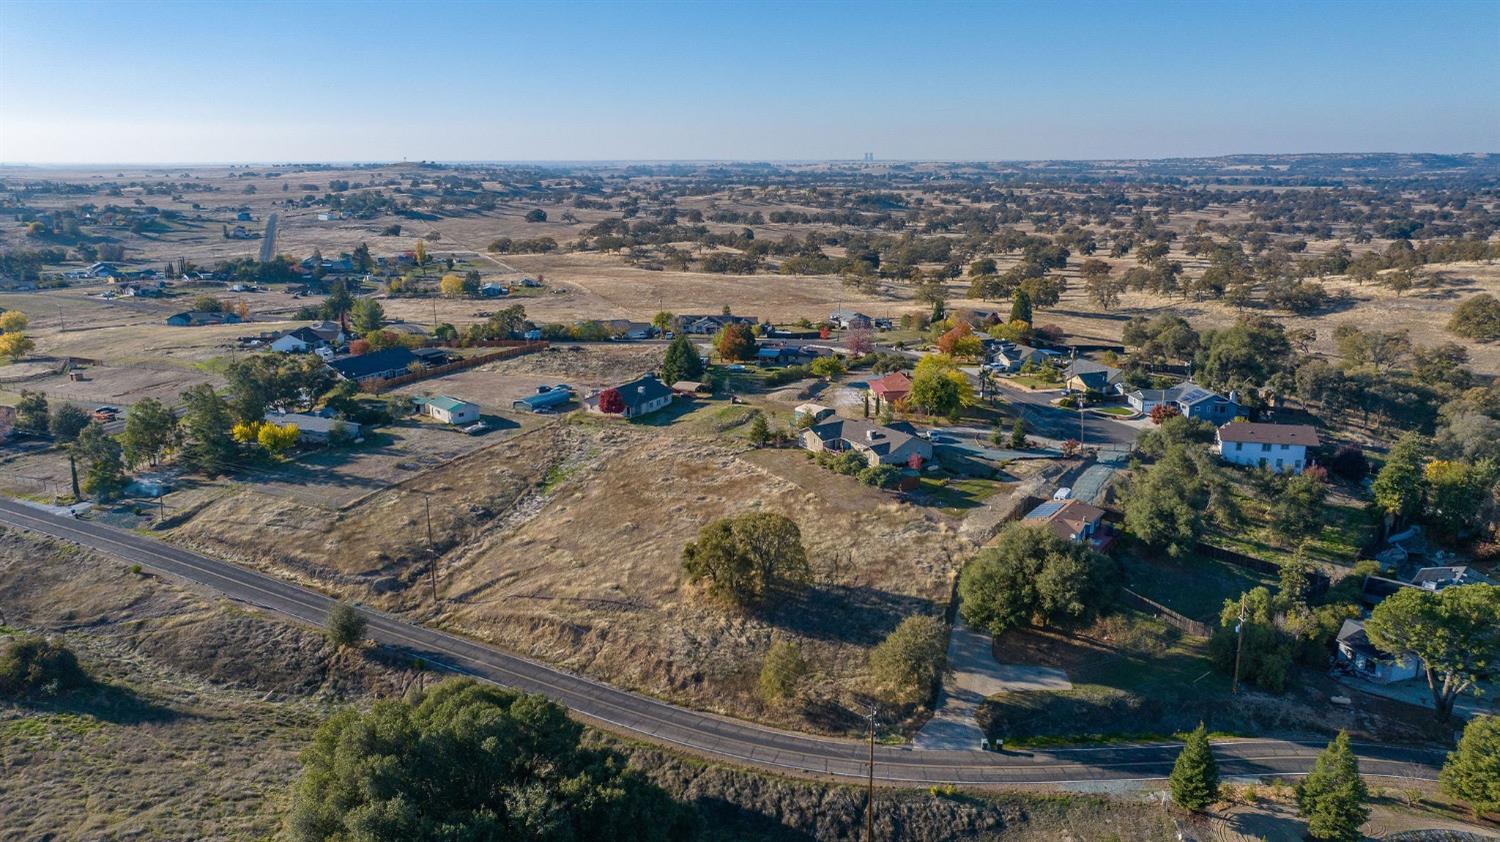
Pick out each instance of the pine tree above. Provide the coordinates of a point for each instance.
(1332, 798)
(1195, 776)
(1020, 307)
(681, 362)
(1472, 773)
(760, 431)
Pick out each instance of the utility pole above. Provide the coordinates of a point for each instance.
(431, 550)
(1239, 629)
(870, 788)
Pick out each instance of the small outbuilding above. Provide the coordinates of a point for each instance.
(450, 410)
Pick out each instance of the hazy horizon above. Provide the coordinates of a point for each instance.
(231, 82)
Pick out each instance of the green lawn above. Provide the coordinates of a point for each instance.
(955, 495)
(1346, 529)
(1195, 587)
(1119, 411)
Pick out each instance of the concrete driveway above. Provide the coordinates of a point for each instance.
(973, 675)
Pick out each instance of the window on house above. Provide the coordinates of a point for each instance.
(1265, 448)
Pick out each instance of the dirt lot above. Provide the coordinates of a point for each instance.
(584, 367)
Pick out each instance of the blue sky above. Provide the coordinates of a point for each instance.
(276, 81)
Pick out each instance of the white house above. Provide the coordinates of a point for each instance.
(1280, 447)
(450, 410)
(1371, 663)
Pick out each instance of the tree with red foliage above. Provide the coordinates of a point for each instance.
(611, 402)
(359, 346)
(1162, 411)
(824, 332)
(914, 461)
(948, 342)
(1316, 471)
(860, 342)
(736, 342)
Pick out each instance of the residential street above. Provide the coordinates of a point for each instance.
(715, 737)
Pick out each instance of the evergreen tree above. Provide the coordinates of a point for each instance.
(1020, 307)
(760, 431)
(1472, 773)
(681, 362)
(205, 425)
(1195, 776)
(1332, 798)
(1018, 434)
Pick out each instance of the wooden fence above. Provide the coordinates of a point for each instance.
(1177, 621)
(506, 352)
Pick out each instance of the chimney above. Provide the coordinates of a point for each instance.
(640, 390)
(874, 435)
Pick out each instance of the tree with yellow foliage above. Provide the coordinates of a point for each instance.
(246, 432)
(15, 345)
(12, 321)
(421, 253)
(277, 438)
(451, 285)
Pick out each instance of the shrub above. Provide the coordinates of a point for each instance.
(1472, 772)
(35, 666)
(906, 665)
(1349, 462)
(346, 626)
(782, 670)
(881, 476)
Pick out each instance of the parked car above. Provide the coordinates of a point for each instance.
(106, 414)
(476, 428)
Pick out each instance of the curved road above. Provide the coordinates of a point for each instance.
(717, 737)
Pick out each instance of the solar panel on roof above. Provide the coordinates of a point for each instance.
(1046, 510)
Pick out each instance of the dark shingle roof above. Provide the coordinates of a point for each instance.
(375, 362)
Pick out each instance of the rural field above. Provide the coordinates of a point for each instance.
(893, 359)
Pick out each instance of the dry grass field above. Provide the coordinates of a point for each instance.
(564, 543)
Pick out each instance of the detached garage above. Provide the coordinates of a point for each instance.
(450, 410)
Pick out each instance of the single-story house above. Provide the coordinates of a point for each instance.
(892, 388)
(376, 365)
(297, 341)
(449, 410)
(1280, 447)
(1010, 357)
(712, 324)
(1437, 578)
(1191, 400)
(850, 320)
(545, 399)
(777, 354)
(815, 411)
(1089, 376)
(642, 396)
(1072, 520)
(330, 332)
(879, 445)
(199, 318)
(494, 290)
(1369, 662)
(317, 429)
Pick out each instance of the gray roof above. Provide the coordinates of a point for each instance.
(643, 390)
(885, 440)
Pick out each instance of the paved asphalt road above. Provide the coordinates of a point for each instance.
(717, 737)
(268, 241)
(1048, 421)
